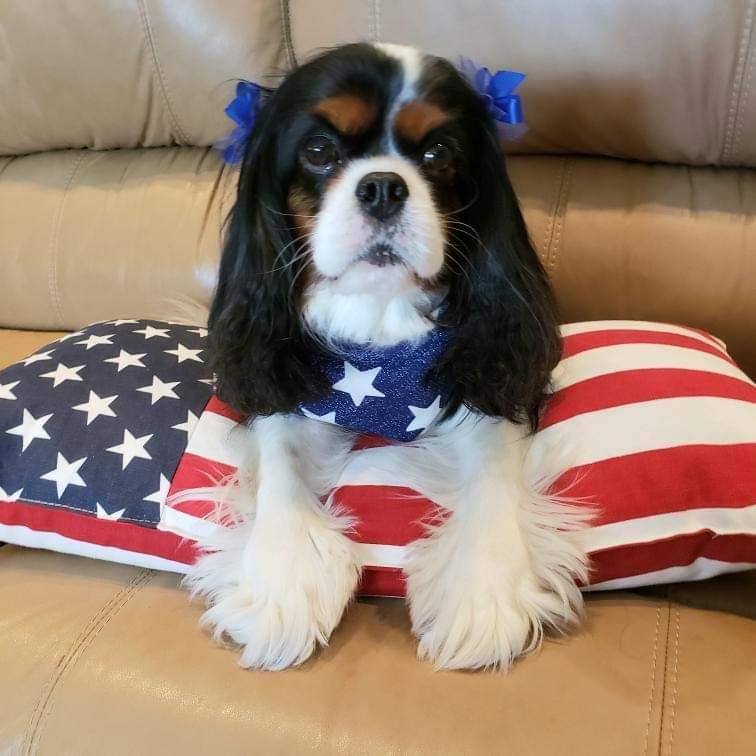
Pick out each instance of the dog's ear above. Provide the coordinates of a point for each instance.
(506, 340)
(259, 351)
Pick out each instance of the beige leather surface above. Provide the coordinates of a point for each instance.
(136, 233)
(128, 73)
(654, 80)
(108, 659)
(89, 234)
(626, 240)
(15, 345)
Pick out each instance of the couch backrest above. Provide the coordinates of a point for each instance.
(638, 183)
(653, 80)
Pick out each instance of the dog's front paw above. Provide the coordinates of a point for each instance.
(479, 608)
(297, 575)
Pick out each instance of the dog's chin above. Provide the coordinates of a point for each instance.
(377, 300)
(382, 279)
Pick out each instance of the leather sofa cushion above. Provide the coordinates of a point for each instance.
(115, 74)
(90, 236)
(652, 80)
(101, 658)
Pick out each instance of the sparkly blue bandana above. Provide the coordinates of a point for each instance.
(382, 390)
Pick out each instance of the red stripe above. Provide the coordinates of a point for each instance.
(197, 472)
(389, 515)
(631, 560)
(382, 581)
(632, 386)
(88, 529)
(218, 407)
(635, 559)
(582, 342)
(664, 480)
(369, 441)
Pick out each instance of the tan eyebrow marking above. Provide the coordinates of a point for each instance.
(417, 119)
(347, 113)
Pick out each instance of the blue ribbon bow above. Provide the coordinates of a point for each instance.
(497, 90)
(242, 110)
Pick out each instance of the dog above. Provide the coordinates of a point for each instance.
(374, 209)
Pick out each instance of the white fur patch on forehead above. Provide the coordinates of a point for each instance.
(411, 60)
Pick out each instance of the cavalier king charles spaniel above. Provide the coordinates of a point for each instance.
(373, 212)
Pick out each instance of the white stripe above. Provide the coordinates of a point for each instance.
(219, 439)
(591, 326)
(411, 63)
(382, 555)
(699, 569)
(620, 357)
(644, 426)
(185, 525)
(193, 528)
(724, 521)
(20, 535)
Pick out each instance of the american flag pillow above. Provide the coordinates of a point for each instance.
(102, 431)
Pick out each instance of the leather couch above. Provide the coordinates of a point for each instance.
(636, 176)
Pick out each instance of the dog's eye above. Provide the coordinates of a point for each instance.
(320, 152)
(438, 157)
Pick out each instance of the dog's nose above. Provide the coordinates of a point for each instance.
(382, 194)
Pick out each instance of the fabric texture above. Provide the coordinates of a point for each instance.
(659, 421)
(383, 391)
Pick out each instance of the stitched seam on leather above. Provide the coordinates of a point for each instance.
(555, 237)
(52, 276)
(288, 41)
(564, 197)
(85, 638)
(552, 215)
(734, 111)
(653, 680)
(370, 20)
(743, 109)
(665, 667)
(675, 679)
(162, 85)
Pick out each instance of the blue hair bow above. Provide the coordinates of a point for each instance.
(497, 90)
(242, 110)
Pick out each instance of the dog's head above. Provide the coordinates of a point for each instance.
(373, 194)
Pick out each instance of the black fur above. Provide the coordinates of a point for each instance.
(499, 304)
(262, 357)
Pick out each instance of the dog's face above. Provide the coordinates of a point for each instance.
(377, 170)
(372, 192)
(375, 144)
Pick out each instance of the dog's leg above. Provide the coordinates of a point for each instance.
(503, 565)
(279, 581)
